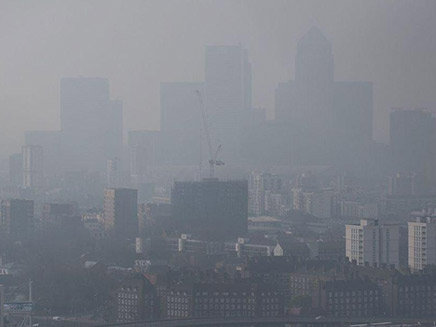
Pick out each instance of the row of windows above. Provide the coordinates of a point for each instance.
(216, 300)
(127, 296)
(125, 316)
(225, 293)
(223, 306)
(177, 313)
(129, 289)
(354, 300)
(177, 300)
(224, 313)
(127, 309)
(352, 306)
(348, 293)
(417, 288)
(177, 306)
(128, 302)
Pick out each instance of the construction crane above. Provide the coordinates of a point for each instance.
(213, 161)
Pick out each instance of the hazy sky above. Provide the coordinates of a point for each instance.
(138, 44)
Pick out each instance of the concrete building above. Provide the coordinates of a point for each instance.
(2, 300)
(348, 298)
(211, 209)
(228, 94)
(357, 209)
(422, 242)
(412, 134)
(54, 212)
(244, 248)
(402, 184)
(115, 176)
(121, 212)
(136, 300)
(186, 244)
(94, 224)
(229, 299)
(412, 295)
(50, 141)
(332, 119)
(143, 155)
(261, 189)
(181, 123)
(16, 169)
(370, 243)
(33, 173)
(91, 124)
(17, 217)
(317, 202)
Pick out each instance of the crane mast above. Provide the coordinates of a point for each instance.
(213, 155)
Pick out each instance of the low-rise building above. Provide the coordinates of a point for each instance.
(348, 298)
(228, 299)
(136, 300)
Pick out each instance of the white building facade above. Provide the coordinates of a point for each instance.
(422, 243)
(372, 244)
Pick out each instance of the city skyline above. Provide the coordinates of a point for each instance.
(359, 53)
(218, 162)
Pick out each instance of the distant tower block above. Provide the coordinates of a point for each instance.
(32, 166)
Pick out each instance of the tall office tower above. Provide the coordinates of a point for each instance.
(181, 122)
(412, 135)
(212, 209)
(33, 167)
(50, 141)
(91, 124)
(17, 217)
(121, 212)
(422, 242)
(113, 173)
(113, 129)
(143, 154)
(331, 120)
(16, 169)
(373, 244)
(259, 186)
(228, 94)
(314, 71)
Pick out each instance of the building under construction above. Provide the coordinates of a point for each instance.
(211, 209)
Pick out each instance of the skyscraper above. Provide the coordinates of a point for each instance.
(91, 124)
(50, 141)
(33, 167)
(228, 93)
(17, 217)
(16, 169)
(121, 212)
(331, 120)
(412, 135)
(143, 154)
(113, 173)
(211, 208)
(181, 122)
(314, 70)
